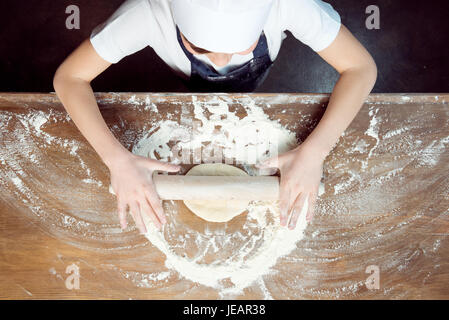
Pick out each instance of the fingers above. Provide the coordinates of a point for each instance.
(311, 210)
(137, 209)
(150, 192)
(298, 205)
(149, 212)
(121, 208)
(132, 183)
(156, 203)
(135, 212)
(284, 201)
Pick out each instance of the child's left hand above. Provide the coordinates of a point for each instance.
(301, 171)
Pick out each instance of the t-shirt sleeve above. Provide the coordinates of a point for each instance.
(313, 22)
(127, 31)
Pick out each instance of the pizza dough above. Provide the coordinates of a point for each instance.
(218, 210)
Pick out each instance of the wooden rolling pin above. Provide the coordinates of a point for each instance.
(177, 187)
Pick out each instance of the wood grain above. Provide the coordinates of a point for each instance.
(386, 203)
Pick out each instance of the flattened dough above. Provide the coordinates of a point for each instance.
(216, 211)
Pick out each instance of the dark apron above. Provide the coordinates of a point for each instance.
(245, 78)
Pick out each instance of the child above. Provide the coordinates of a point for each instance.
(216, 45)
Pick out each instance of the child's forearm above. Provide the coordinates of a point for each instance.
(345, 102)
(79, 101)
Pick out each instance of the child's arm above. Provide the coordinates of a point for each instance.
(301, 168)
(358, 73)
(129, 173)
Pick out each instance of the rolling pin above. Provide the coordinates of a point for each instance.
(177, 187)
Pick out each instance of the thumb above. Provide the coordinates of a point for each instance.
(163, 166)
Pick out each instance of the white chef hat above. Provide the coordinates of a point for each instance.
(226, 26)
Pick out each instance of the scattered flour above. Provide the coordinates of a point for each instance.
(372, 131)
(395, 132)
(247, 139)
(430, 155)
(360, 146)
(26, 138)
(146, 280)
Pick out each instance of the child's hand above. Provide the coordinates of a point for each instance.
(131, 180)
(301, 172)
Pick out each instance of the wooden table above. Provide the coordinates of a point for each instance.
(386, 203)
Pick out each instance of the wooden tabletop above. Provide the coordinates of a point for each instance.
(385, 203)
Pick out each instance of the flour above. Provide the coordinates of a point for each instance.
(146, 280)
(430, 155)
(220, 134)
(360, 146)
(246, 140)
(372, 131)
(33, 123)
(367, 219)
(395, 132)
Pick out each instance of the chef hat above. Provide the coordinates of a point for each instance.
(226, 26)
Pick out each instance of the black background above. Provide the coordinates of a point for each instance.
(411, 49)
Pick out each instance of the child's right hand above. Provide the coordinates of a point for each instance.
(131, 180)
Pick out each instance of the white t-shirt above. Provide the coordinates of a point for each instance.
(141, 23)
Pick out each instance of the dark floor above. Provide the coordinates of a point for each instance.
(411, 49)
